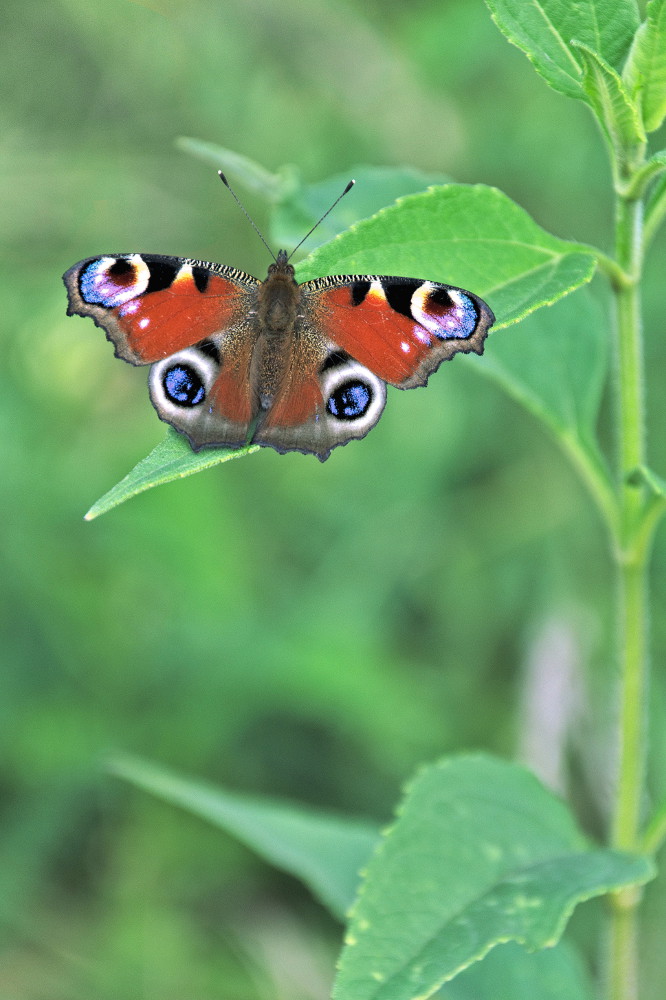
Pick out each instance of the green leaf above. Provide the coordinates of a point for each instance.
(543, 29)
(556, 365)
(480, 854)
(324, 851)
(615, 110)
(473, 237)
(245, 171)
(645, 71)
(645, 174)
(656, 484)
(303, 206)
(655, 209)
(511, 973)
(172, 459)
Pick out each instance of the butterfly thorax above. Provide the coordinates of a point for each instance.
(278, 299)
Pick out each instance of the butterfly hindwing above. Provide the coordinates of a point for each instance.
(402, 329)
(196, 391)
(322, 405)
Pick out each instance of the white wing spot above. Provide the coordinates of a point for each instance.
(184, 273)
(376, 291)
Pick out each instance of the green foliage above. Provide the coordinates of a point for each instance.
(645, 69)
(655, 207)
(325, 852)
(480, 854)
(615, 110)
(171, 459)
(253, 176)
(545, 31)
(476, 236)
(556, 365)
(508, 973)
(303, 205)
(298, 206)
(656, 483)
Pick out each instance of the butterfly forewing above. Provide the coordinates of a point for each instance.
(152, 306)
(402, 329)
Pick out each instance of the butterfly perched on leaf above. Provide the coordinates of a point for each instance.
(235, 360)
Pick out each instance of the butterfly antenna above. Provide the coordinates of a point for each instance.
(249, 217)
(327, 212)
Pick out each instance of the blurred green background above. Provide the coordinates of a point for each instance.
(274, 625)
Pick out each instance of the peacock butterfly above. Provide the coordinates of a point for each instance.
(292, 367)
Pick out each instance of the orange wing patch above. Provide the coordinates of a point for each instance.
(158, 324)
(389, 344)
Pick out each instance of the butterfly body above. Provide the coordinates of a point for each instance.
(288, 366)
(281, 331)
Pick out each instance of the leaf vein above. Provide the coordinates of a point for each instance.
(560, 41)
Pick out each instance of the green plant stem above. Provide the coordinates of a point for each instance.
(631, 557)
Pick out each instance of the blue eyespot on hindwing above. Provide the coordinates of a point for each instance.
(182, 385)
(350, 400)
(354, 396)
